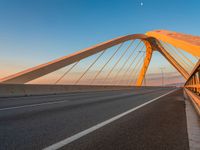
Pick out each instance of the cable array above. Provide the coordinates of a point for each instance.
(120, 64)
(184, 59)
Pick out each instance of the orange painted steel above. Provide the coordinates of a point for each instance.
(149, 51)
(193, 81)
(43, 69)
(176, 56)
(180, 69)
(186, 42)
(192, 86)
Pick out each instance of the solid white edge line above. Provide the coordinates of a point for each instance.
(95, 127)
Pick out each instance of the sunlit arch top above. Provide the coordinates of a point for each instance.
(189, 43)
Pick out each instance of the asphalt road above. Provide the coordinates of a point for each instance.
(37, 122)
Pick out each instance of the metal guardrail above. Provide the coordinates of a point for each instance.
(192, 87)
(193, 82)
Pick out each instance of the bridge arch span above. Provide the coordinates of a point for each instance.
(43, 69)
(150, 40)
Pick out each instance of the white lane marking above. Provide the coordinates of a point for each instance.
(54, 102)
(95, 127)
(57, 102)
(33, 105)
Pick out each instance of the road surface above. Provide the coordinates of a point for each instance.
(70, 121)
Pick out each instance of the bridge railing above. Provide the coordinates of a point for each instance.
(192, 86)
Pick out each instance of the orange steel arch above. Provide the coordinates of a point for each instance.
(149, 51)
(188, 43)
(43, 69)
(151, 41)
(154, 45)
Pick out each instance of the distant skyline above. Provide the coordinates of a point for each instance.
(37, 31)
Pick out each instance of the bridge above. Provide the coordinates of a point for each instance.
(106, 103)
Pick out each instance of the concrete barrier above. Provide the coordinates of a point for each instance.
(13, 90)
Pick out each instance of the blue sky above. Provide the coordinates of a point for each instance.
(36, 31)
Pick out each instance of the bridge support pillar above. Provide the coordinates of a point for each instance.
(149, 51)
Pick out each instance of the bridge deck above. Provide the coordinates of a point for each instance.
(41, 121)
(158, 126)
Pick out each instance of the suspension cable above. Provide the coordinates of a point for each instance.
(118, 48)
(130, 65)
(89, 67)
(133, 70)
(172, 52)
(184, 56)
(196, 57)
(118, 61)
(67, 72)
(135, 74)
(180, 59)
(128, 68)
(127, 60)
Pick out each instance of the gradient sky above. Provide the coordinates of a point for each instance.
(37, 31)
